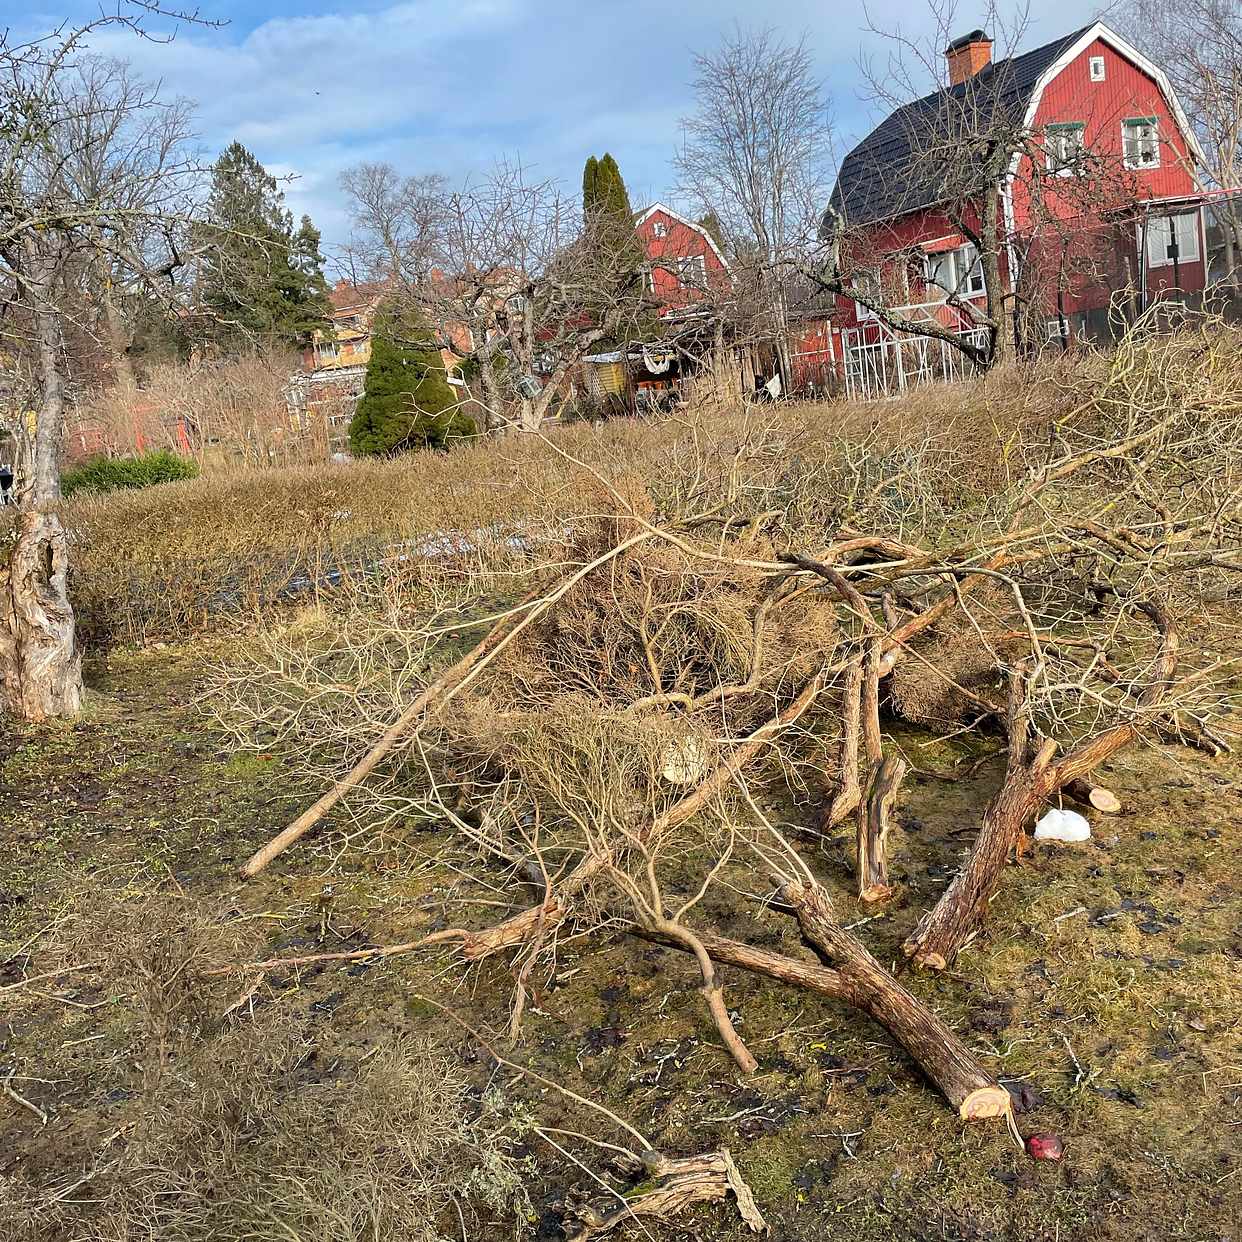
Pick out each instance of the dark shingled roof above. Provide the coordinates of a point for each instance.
(882, 178)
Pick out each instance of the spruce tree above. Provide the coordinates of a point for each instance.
(603, 190)
(607, 212)
(262, 282)
(407, 401)
(613, 195)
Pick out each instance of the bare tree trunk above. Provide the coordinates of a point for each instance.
(991, 278)
(40, 664)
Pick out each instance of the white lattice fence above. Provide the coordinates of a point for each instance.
(882, 363)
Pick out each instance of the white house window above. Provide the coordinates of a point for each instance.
(1141, 142)
(957, 271)
(660, 229)
(1097, 68)
(1057, 329)
(1064, 144)
(1170, 236)
(866, 283)
(691, 270)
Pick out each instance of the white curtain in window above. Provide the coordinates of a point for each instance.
(1162, 231)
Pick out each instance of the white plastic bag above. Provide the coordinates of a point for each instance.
(1059, 825)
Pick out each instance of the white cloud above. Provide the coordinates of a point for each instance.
(449, 85)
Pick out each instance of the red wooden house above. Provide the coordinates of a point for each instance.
(1100, 200)
(684, 264)
(684, 269)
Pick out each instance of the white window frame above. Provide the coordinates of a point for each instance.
(659, 228)
(1131, 122)
(1058, 163)
(867, 282)
(1160, 235)
(1097, 69)
(963, 277)
(1057, 329)
(696, 264)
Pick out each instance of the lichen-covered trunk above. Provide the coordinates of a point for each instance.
(40, 664)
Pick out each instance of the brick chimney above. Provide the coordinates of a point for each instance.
(967, 55)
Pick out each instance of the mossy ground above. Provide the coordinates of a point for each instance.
(1109, 981)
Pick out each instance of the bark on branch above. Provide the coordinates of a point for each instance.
(1029, 782)
(873, 826)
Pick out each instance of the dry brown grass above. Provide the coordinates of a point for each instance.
(245, 1125)
(225, 549)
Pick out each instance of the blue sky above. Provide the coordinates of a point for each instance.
(312, 86)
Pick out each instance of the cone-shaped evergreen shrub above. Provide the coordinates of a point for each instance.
(407, 401)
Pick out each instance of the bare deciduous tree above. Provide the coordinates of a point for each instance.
(96, 186)
(505, 273)
(755, 153)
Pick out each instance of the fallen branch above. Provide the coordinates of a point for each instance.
(1029, 782)
(848, 793)
(443, 688)
(943, 1057)
(553, 909)
(861, 982)
(354, 955)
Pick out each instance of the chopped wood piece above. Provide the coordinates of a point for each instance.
(873, 825)
(1092, 795)
(674, 1184)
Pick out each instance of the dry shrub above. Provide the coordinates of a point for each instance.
(957, 668)
(155, 947)
(225, 413)
(243, 1141)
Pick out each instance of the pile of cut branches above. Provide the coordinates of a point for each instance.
(744, 625)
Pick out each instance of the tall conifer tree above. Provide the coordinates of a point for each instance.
(262, 281)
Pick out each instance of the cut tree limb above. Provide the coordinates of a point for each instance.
(848, 793)
(943, 1057)
(1093, 795)
(860, 981)
(873, 826)
(872, 742)
(1029, 782)
(445, 686)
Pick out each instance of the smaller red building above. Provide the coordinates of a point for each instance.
(684, 263)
